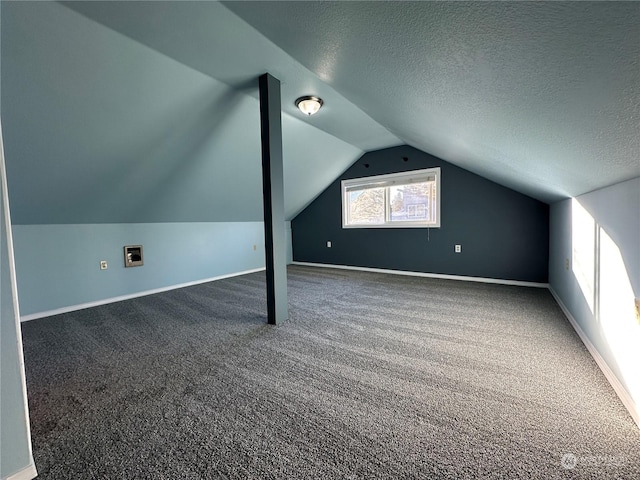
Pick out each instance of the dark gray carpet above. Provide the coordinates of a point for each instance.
(373, 376)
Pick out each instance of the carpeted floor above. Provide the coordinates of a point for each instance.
(373, 376)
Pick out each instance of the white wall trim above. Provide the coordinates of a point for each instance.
(427, 275)
(27, 473)
(620, 390)
(14, 294)
(73, 308)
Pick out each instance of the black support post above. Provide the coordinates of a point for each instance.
(273, 194)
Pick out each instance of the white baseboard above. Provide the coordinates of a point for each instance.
(27, 473)
(427, 275)
(82, 306)
(622, 392)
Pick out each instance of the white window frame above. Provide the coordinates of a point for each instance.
(389, 180)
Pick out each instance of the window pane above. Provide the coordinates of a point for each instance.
(396, 200)
(413, 202)
(366, 206)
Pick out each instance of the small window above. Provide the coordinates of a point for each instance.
(407, 199)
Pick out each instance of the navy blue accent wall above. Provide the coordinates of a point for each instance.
(504, 234)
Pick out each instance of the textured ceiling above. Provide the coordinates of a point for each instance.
(99, 128)
(543, 97)
(209, 38)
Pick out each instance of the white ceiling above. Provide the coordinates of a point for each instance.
(209, 38)
(543, 97)
(102, 128)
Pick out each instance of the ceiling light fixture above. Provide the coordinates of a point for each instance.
(309, 104)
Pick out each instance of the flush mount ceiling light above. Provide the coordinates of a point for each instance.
(309, 105)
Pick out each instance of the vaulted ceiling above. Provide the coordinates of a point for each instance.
(543, 97)
(147, 111)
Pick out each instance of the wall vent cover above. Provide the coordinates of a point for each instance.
(133, 256)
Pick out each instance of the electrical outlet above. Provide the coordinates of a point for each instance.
(566, 264)
(255, 247)
(458, 248)
(103, 265)
(328, 244)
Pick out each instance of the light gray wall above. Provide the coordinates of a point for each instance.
(58, 266)
(594, 269)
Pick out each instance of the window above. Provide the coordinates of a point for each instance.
(407, 199)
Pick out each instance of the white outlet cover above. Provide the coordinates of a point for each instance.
(103, 265)
(458, 248)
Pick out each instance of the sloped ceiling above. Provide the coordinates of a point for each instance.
(543, 97)
(102, 128)
(147, 111)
